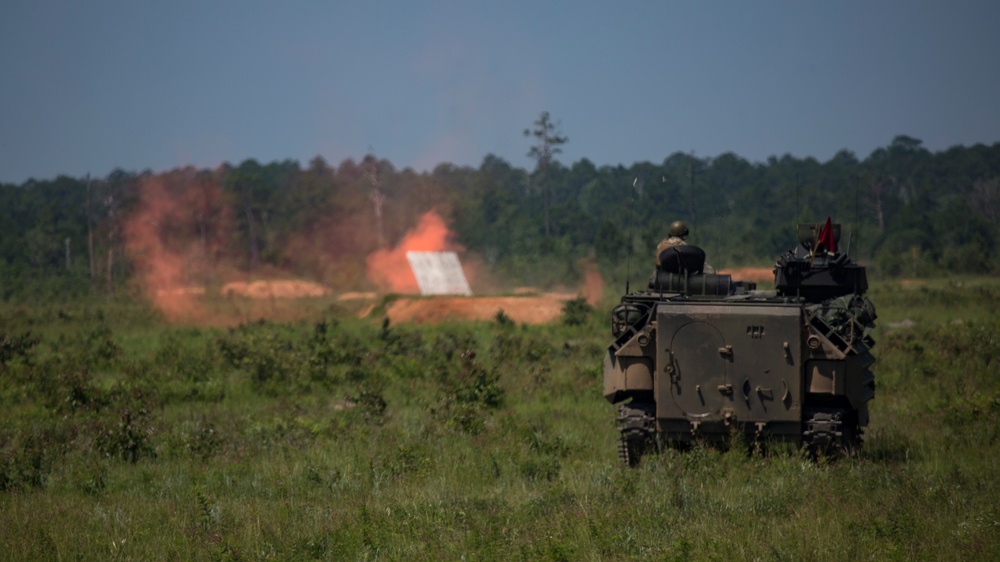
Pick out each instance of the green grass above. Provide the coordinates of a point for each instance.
(122, 438)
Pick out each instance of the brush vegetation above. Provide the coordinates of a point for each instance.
(122, 438)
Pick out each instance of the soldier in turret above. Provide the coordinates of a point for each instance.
(678, 233)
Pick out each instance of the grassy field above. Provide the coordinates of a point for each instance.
(123, 438)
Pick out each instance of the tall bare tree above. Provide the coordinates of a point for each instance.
(878, 190)
(547, 142)
(113, 226)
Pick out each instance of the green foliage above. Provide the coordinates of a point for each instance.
(479, 440)
(371, 405)
(16, 347)
(26, 460)
(178, 359)
(469, 394)
(198, 439)
(128, 436)
(576, 312)
(279, 363)
(502, 319)
(906, 211)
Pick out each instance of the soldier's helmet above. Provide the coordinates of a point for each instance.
(678, 229)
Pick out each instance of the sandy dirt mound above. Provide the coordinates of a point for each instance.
(180, 291)
(355, 296)
(525, 310)
(274, 289)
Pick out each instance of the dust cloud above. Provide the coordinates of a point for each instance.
(592, 288)
(176, 238)
(182, 239)
(172, 247)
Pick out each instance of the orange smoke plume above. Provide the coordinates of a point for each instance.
(390, 270)
(171, 237)
(593, 284)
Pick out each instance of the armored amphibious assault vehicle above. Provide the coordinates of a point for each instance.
(698, 356)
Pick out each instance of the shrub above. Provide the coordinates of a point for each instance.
(576, 312)
(502, 319)
(13, 347)
(26, 460)
(468, 396)
(128, 437)
(370, 405)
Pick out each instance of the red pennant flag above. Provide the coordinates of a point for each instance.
(825, 237)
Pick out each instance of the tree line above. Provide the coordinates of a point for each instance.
(908, 212)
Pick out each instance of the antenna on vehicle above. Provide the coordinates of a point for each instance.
(857, 216)
(636, 187)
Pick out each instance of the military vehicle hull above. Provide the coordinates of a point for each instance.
(719, 357)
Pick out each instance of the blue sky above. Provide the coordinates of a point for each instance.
(91, 86)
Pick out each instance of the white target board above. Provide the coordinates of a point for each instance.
(438, 273)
